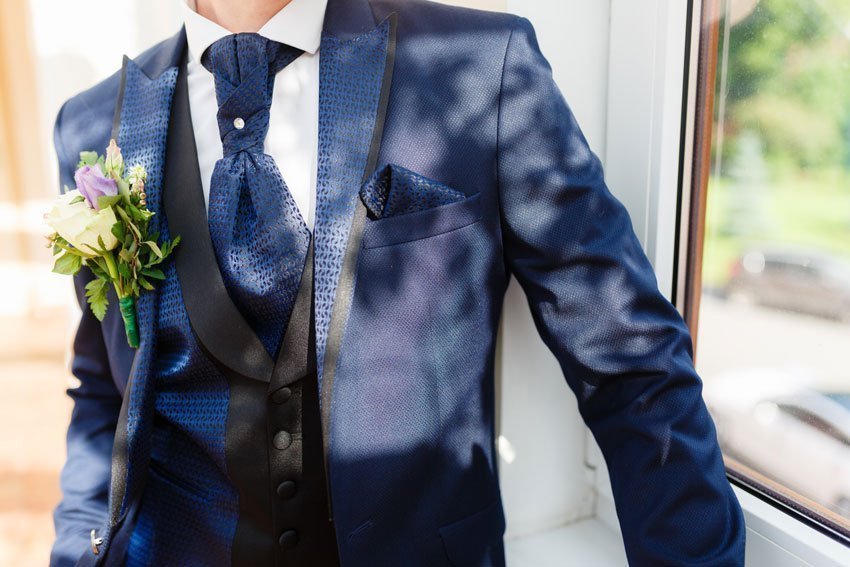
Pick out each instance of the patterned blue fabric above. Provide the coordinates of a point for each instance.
(259, 236)
(141, 136)
(178, 406)
(395, 190)
(189, 508)
(350, 75)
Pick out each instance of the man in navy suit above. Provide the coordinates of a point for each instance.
(354, 184)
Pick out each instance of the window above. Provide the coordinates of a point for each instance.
(768, 292)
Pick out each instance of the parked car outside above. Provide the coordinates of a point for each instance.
(796, 434)
(795, 279)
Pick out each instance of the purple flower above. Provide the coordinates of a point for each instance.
(92, 184)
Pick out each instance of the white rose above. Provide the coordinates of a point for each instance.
(81, 225)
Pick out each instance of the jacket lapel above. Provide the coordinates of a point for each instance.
(356, 64)
(140, 127)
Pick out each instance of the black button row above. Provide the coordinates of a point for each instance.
(281, 395)
(286, 489)
(282, 440)
(288, 539)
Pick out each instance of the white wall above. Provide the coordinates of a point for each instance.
(545, 482)
(620, 66)
(80, 43)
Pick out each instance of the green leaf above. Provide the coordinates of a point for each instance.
(98, 271)
(125, 270)
(88, 158)
(123, 190)
(145, 283)
(139, 215)
(94, 250)
(154, 273)
(128, 221)
(119, 231)
(135, 213)
(77, 199)
(68, 264)
(108, 200)
(96, 295)
(154, 248)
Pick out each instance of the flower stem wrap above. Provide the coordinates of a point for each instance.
(128, 313)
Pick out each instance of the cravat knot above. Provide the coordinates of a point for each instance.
(259, 237)
(244, 66)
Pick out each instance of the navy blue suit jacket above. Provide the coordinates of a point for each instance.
(473, 106)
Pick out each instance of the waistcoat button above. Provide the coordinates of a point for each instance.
(286, 489)
(282, 440)
(281, 395)
(288, 539)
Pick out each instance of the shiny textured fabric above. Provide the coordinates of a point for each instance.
(186, 396)
(141, 135)
(258, 234)
(350, 74)
(394, 190)
(411, 458)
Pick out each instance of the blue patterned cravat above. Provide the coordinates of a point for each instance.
(259, 236)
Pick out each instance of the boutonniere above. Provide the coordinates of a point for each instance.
(103, 224)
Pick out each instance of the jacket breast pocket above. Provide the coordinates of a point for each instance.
(422, 224)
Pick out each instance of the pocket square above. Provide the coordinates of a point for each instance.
(393, 190)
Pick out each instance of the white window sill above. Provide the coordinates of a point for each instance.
(579, 544)
(774, 538)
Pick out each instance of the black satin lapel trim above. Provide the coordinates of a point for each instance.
(118, 475)
(119, 468)
(222, 331)
(345, 287)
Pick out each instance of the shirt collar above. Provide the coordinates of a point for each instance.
(299, 24)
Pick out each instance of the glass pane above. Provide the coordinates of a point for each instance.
(774, 324)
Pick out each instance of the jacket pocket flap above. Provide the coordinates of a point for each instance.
(469, 541)
(422, 224)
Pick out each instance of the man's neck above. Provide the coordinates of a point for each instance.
(240, 15)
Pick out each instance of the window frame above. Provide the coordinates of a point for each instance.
(692, 205)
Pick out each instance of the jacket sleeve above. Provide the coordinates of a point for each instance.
(623, 347)
(97, 402)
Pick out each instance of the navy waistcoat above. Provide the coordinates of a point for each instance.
(236, 466)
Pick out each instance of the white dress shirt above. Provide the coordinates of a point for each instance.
(292, 139)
